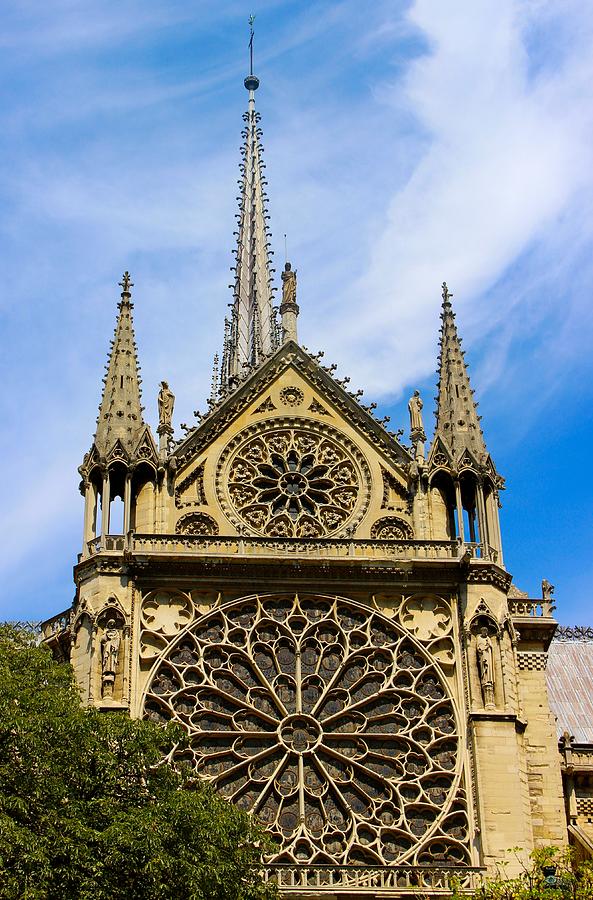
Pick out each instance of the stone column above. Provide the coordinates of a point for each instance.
(127, 502)
(105, 504)
(460, 525)
(482, 522)
(90, 514)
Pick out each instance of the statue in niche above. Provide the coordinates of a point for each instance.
(166, 401)
(110, 645)
(485, 654)
(415, 405)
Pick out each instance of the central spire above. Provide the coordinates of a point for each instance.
(252, 331)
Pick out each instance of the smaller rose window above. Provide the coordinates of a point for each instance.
(295, 483)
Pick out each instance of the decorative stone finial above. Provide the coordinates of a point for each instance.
(126, 283)
(547, 591)
(446, 293)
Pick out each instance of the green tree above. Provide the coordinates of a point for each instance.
(88, 808)
(553, 874)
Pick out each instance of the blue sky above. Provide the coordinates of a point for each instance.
(406, 143)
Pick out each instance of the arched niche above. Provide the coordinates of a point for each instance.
(443, 505)
(485, 659)
(111, 649)
(117, 488)
(491, 520)
(93, 487)
(142, 498)
(468, 488)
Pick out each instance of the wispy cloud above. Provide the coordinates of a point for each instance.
(505, 156)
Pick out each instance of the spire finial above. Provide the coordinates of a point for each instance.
(120, 414)
(252, 81)
(458, 423)
(251, 21)
(126, 283)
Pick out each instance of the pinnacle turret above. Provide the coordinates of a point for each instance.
(120, 414)
(252, 333)
(458, 422)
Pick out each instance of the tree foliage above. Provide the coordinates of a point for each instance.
(89, 809)
(552, 875)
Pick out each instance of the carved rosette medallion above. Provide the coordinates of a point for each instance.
(327, 720)
(291, 396)
(292, 479)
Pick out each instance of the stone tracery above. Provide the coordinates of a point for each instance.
(294, 481)
(326, 719)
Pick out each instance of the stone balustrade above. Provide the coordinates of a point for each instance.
(309, 547)
(429, 881)
(54, 626)
(200, 545)
(524, 608)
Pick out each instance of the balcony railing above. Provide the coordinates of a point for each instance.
(200, 545)
(110, 542)
(395, 880)
(308, 547)
(54, 626)
(523, 608)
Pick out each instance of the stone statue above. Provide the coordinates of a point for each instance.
(288, 284)
(166, 401)
(110, 644)
(289, 309)
(547, 591)
(415, 405)
(485, 653)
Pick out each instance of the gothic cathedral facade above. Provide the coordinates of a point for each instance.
(322, 607)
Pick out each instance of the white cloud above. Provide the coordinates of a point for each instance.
(505, 155)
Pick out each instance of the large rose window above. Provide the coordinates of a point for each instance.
(293, 482)
(328, 721)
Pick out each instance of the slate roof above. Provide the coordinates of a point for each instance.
(570, 687)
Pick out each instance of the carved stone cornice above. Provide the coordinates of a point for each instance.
(102, 564)
(488, 573)
(537, 634)
(497, 715)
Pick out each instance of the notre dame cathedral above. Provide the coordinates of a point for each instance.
(322, 607)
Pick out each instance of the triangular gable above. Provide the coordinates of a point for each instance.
(118, 452)
(467, 460)
(329, 399)
(439, 456)
(146, 448)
